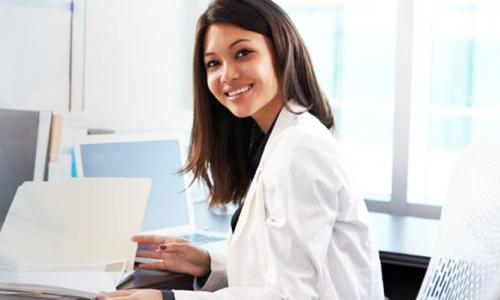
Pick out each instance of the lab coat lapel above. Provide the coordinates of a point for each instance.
(245, 211)
(284, 120)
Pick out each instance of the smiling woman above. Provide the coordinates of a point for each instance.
(261, 139)
(269, 54)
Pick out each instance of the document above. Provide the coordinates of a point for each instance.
(84, 281)
(115, 269)
(81, 284)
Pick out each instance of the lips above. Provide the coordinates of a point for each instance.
(238, 91)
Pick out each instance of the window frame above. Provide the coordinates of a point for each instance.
(398, 203)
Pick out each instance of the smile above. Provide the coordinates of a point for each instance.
(239, 91)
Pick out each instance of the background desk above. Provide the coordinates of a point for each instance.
(404, 241)
(406, 245)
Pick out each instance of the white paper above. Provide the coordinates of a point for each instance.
(89, 282)
(116, 269)
(126, 276)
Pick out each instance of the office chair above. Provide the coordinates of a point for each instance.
(466, 262)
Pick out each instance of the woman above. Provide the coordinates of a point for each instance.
(260, 139)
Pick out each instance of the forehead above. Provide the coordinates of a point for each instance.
(221, 35)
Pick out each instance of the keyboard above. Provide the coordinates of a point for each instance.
(199, 239)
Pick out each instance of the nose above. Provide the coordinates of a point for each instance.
(229, 73)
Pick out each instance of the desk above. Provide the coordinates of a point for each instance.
(402, 241)
(148, 279)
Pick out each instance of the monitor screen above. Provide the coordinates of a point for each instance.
(159, 160)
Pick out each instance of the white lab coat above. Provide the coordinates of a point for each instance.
(302, 232)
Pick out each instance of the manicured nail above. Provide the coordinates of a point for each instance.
(163, 247)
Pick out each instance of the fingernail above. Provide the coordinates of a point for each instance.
(163, 247)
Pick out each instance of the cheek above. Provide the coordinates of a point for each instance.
(212, 84)
(271, 83)
(214, 88)
(268, 77)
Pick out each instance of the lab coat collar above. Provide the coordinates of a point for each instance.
(287, 115)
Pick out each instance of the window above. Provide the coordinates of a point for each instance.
(352, 45)
(412, 83)
(457, 101)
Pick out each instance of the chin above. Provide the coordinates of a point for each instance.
(240, 113)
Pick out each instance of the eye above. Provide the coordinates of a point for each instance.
(212, 63)
(242, 53)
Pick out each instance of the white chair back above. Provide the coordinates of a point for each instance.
(466, 261)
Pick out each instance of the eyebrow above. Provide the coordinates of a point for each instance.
(230, 45)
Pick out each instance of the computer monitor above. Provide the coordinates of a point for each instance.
(155, 156)
(24, 141)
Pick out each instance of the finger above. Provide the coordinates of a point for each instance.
(150, 254)
(127, 297)
(166, 261)
(177, 239)
(177, 247)
(172, 264)
(153, 266)
(117, 293)
(149, 239)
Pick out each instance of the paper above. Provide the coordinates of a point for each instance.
(116, 269)
(86, 284)
(72, 222)
(126, 276)
(70, 280)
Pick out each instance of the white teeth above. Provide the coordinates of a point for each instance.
(239, 91)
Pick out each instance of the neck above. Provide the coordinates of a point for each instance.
(266, 115)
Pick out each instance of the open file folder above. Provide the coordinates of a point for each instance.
(74, 222)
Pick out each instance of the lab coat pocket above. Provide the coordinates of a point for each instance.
(275, 222)
(275, 218)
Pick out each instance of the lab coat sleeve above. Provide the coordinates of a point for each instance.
(218, 276)
(216, 286)
(232, 293)
(300, 192)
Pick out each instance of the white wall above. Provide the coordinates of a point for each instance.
(135, 61)
(35, 54)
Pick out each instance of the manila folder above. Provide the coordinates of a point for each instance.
(78, 221)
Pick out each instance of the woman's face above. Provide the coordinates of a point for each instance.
(241, 73)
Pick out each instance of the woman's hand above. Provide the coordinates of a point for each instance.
(176, 255)
(132, 295)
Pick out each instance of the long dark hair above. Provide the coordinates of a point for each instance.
(218, 153)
